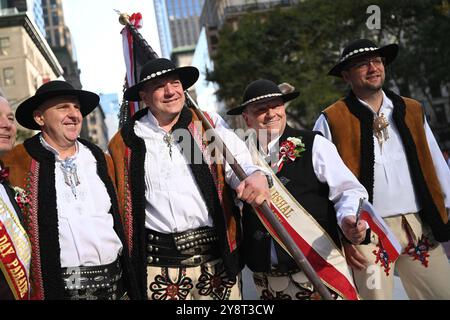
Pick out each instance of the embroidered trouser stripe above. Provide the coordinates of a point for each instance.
(208, 281)
(423, 266)
(291, 287)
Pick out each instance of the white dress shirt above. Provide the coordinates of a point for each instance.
(393, 191)
(344, 188)
(174, 202)
(86, 234)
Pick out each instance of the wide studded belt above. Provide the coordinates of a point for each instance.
(185, 249)
(274, 272)
(93, 283)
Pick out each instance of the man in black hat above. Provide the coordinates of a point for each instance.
(69, 201)
(180, 219)
(15, 248)
(311, 170)
(386, 142)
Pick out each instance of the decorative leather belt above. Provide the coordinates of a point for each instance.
(274, 272)
(93, 283)
(186, 249)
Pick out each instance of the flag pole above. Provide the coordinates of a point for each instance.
(285, 238)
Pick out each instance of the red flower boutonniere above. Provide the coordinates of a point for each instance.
(290, 150)
(22, 198)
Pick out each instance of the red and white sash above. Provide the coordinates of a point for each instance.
(317, 246)
(15, 253)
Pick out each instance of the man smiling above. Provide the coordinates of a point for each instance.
(15, 249)
(69, 200)
(386, 142)
(315, 177)
(182, 225)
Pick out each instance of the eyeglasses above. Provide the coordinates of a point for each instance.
(364, 65)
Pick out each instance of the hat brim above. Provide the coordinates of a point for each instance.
(388, 52)
(188, 76)
(24, 113)
(285, 97)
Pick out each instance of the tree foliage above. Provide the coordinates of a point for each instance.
(300, 44)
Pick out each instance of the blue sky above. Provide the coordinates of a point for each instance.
(96, 35)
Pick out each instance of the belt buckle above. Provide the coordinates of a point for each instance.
(196, 260)
(197, 250)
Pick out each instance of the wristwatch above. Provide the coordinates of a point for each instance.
(269, 180)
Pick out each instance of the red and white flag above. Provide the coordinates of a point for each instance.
(390, 244)
(131, 62)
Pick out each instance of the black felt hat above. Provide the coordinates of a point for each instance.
(24, 113)
(360, 48)
(262, 90)
(157, 68)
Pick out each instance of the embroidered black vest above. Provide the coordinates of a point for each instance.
(49, 246)
(301, 181)
(232, 260)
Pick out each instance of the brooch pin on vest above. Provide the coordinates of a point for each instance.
(168, 139)
(380, 128)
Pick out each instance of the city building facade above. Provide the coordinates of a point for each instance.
(26, 60)
(215, 13)
(111, 107)
(95, 126)
(32, 7)
(178, 24)
(60, 40)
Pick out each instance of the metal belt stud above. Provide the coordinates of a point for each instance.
(151, 248)
(151, 237)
